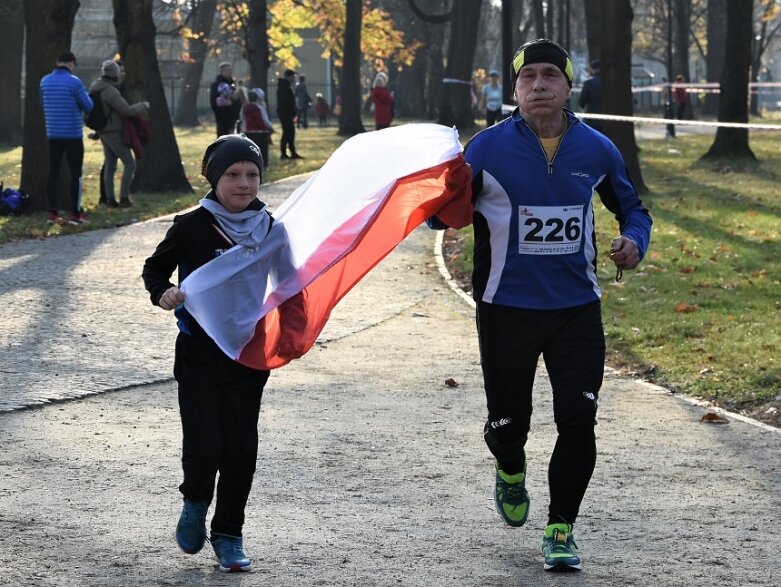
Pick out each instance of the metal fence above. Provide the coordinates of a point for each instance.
(173, 88)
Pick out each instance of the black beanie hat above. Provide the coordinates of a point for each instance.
(224, 152)
(543, 51)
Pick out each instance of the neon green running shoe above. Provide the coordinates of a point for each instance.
(511, 498)
(559, 549)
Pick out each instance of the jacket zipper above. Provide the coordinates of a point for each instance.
(544, 154)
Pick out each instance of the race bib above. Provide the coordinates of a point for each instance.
(549, 230)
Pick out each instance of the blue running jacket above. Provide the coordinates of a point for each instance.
(535, 241)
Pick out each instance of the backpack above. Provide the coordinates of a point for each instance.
(97, 119)
(13, 202)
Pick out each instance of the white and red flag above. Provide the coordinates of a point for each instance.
(266, 306)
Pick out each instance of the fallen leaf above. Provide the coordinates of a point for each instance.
(712, 418)
(450, 382)
(684, 308)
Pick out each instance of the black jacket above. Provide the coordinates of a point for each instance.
(591, 95)
(286, 99)
(224, 115)
(192, 241)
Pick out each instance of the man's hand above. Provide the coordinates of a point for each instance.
(624, 253)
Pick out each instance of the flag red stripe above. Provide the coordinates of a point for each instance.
(290, 330)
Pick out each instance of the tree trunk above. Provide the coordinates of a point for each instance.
(539, 18)
(509, 20)
(714, 60)
(615, 54)
(161, 169)
(549, 20)
(524, 22)
(435, 69)
(49, 25)
(456, 103)
(756, 63)
(350, 119)
(257, 51)
(681, 18)
(732, 143)
(412, 102)
(12, 43)
(192, 70)
(594, 36)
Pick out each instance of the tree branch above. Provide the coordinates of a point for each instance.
(432, 18)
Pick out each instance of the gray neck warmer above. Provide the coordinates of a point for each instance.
(247, 228)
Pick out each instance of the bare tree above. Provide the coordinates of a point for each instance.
(456, 103)
(681, 18)
(434, 55)
(523, 14)
(733, 102)
(615, 53)
(257, 50)
(413, 79)
(350, 119)
(12, 43)
(161, 169)
(508, 49)
(251, 33)
(201, 18)
(714, 59)
(768, 25)
(539, 18)
(49, 25)
(436, 70)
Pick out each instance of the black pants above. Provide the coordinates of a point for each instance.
(219, 403)
(288, 140)
(74, 153)
(669, 113)
(261, 140)
(303, 117)
(225, 126)
(492, 116)
(572, 344)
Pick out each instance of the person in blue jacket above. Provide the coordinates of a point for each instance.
(535, 283)
(64, 98)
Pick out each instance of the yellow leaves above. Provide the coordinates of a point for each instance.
(379, 37)
(382, 41)
(287, 19)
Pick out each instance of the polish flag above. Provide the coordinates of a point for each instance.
(266, 306)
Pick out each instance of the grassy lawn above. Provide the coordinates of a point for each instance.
(316, 144)
(702, 314)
